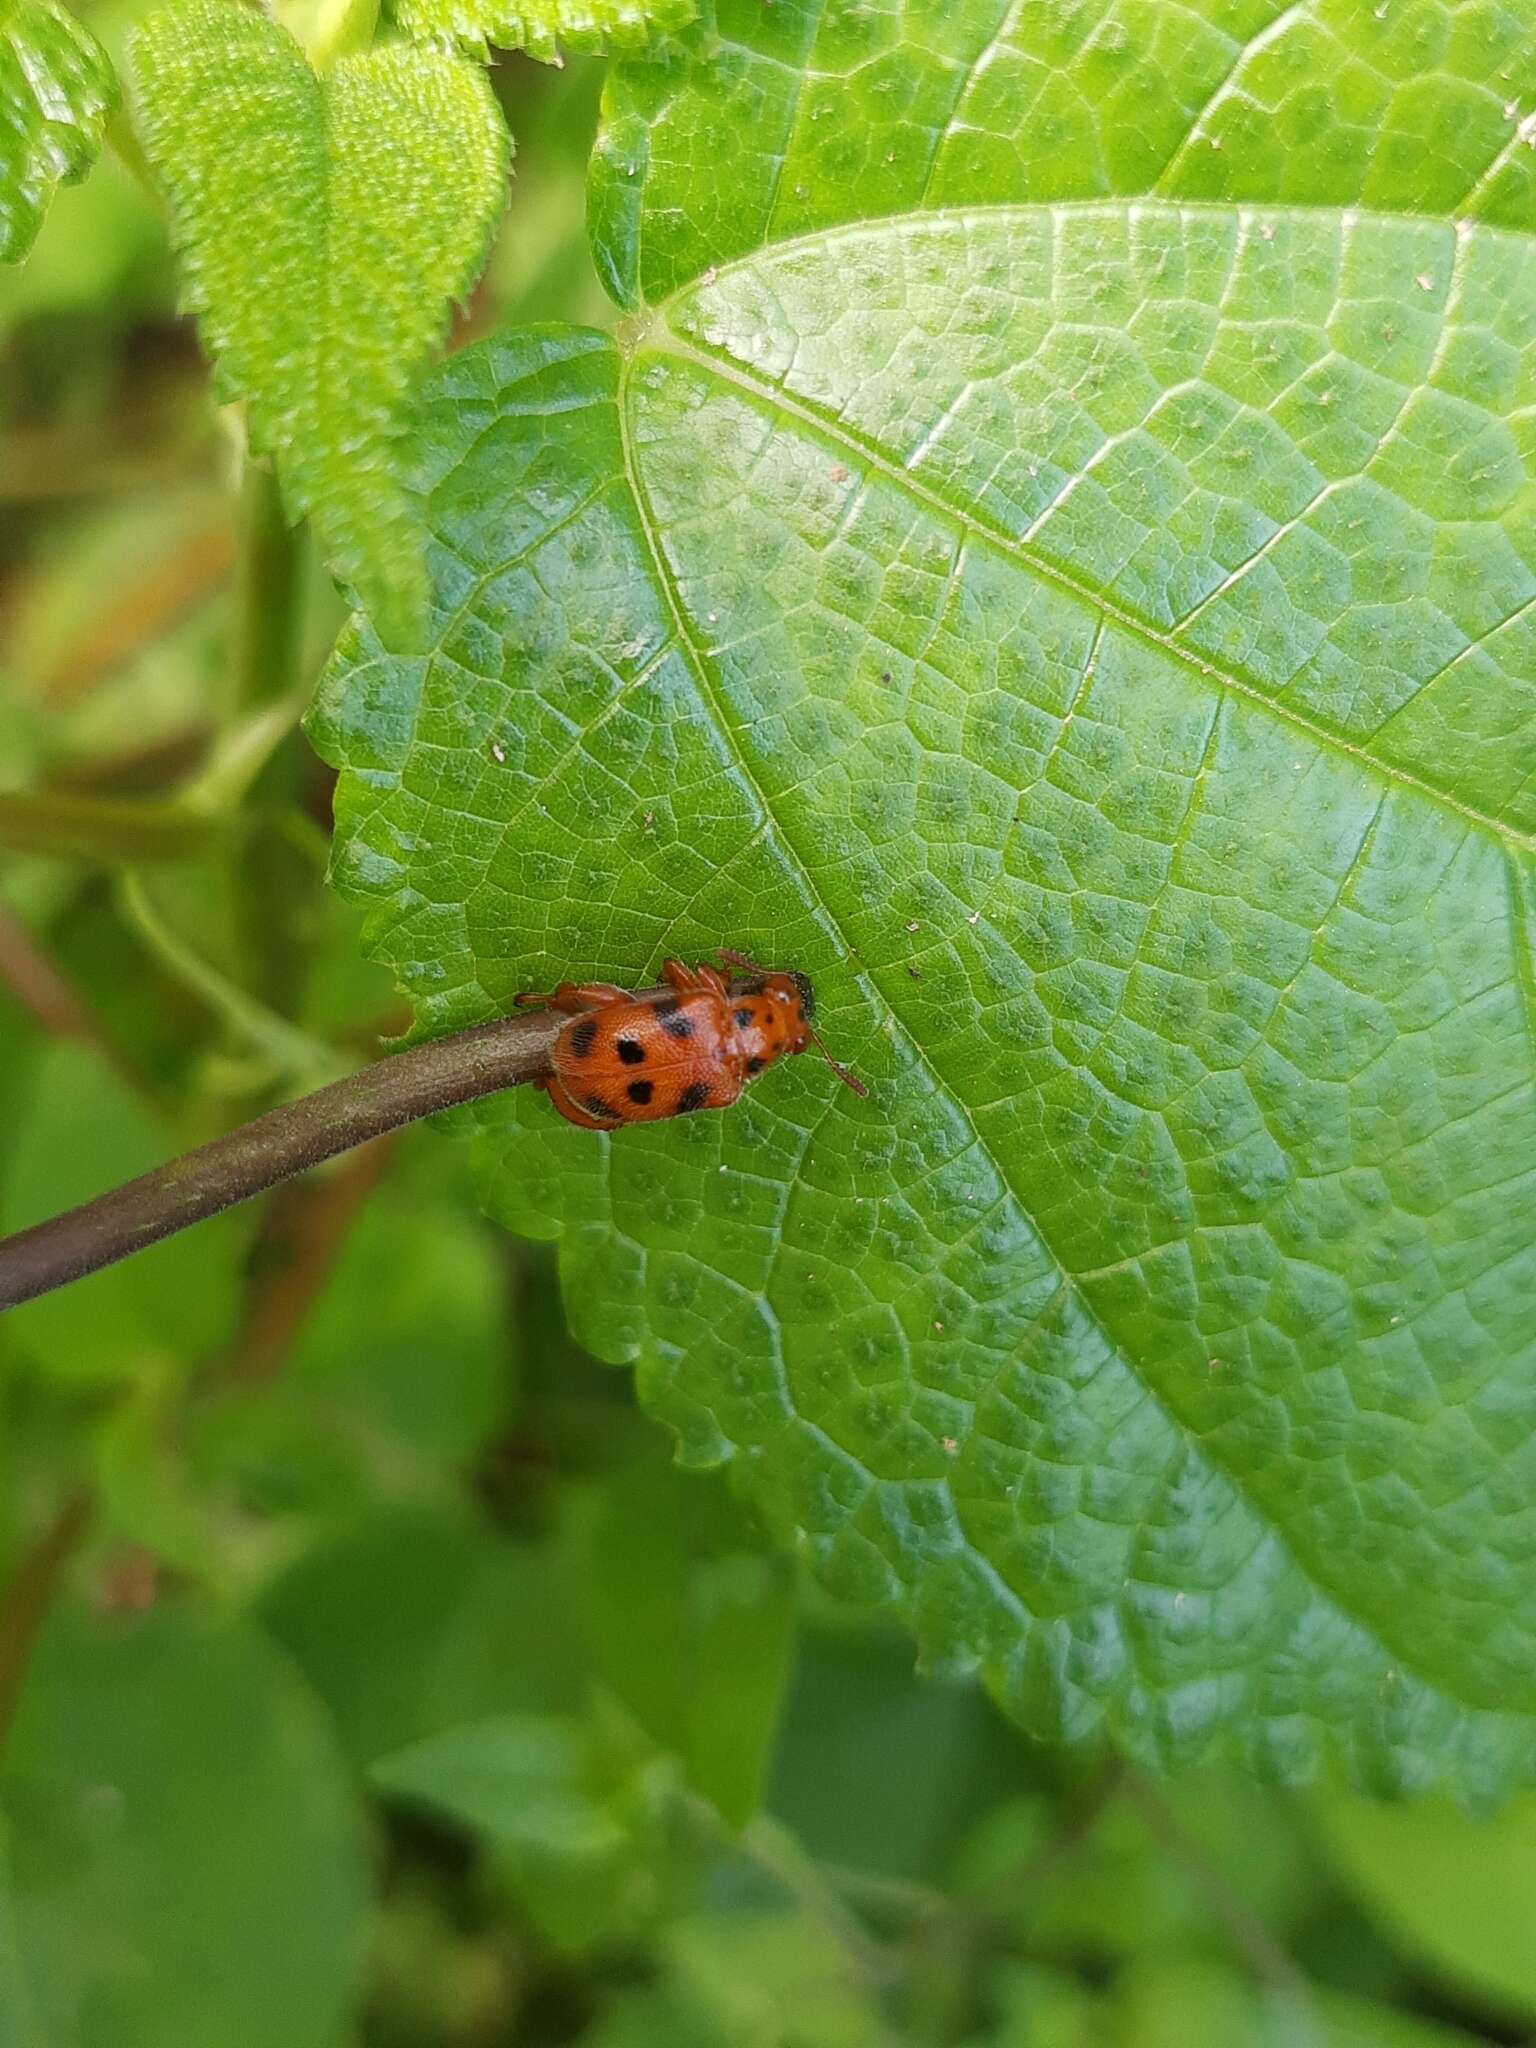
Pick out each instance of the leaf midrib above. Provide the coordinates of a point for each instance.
(975, 522)
(1316, 1579)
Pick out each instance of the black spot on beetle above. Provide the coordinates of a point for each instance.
(640, 1091)
(594, 1105)
(694, 1096)
(743, 1019)
(807, 993)
(631, 1052)
(583, 1031)
(755, 1065)
(677, 1026)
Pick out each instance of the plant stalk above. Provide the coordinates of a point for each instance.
(112, 829)
(289, 1139)
(272, 1148)
(270, 594)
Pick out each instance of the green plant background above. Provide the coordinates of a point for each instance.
(1036, 533)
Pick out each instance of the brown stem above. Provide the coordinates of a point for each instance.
(274, 1147)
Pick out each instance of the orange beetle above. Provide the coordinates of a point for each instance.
(633, 1059)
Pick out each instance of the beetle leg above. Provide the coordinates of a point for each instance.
(576, 996)
(693, 981)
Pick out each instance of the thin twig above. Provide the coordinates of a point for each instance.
(71, 827)
(269, 614)
(274, 1147)
(287, 1140)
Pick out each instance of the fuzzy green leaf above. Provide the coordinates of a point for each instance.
(543, 27)
(325, 226)
(57, 88)
(1094, 638)
(170, 1790)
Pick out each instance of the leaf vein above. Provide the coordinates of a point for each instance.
(1121, 615)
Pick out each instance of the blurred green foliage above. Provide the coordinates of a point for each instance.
(369, 1675)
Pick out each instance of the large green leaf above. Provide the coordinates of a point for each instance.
(56, 90)
(1094, 637)
(325, 226)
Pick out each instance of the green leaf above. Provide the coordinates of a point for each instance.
(1457, 1894)
(779, 1978)
(691, 1628)
(541, 27)
(854, 1725)
(1116, 1890)
(413, 1620)
(818, 113)
(1091, 637)
(1181, 2002)
(520, 1778)
(172, 1792)
(1356, 2023)
(581, 1827)
(325, 225)
(57, 88)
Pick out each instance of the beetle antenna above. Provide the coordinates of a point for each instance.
(842, 1073)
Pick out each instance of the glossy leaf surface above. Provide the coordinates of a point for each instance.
(1093, 637)
(56, 91)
